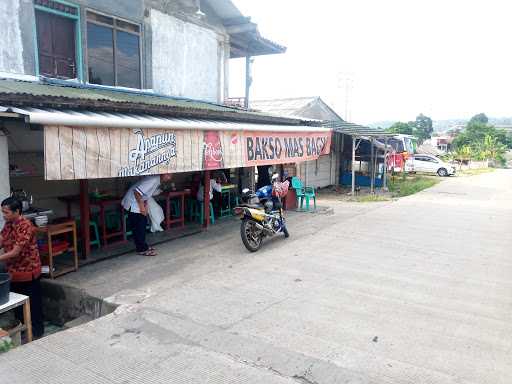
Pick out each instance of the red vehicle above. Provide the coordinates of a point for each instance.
(402, 147)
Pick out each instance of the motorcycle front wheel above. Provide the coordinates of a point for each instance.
(251, 236)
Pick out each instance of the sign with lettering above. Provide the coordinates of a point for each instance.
(273, 148)
(150, 152)
(212, 150)
(99, 152)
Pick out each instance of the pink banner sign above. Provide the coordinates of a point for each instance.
(262, 148)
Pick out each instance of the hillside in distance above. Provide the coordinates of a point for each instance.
(444, 125)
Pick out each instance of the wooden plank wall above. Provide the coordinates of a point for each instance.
(99, 152)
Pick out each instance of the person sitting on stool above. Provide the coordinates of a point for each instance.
(215, 185)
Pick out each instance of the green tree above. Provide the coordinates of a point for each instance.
(480, 118)
(399, 127)
(491, 149)
(485, 141)
(423, 128)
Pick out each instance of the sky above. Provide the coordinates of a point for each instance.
(446, 59)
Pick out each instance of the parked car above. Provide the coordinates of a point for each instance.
(429, 164)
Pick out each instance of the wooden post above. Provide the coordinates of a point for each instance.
(375, 163)
(371, 167)
(252, 177)
(85, 218)
(353, 162)
(206, 199)
(384, 177)
(27, 319)
(339, 160)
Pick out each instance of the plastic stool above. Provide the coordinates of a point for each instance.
(94, 226)
(113, 220)
(236, 203)
(197, 211)
(175, 204)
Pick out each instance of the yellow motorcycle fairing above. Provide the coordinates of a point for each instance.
(257, 214)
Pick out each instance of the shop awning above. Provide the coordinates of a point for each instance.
(76, 118)
(91, 145)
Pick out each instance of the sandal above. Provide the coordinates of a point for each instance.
(149, 252)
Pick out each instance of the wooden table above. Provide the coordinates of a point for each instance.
(102, 204)
(67, 227)
(16, 300)
(226, 190)
(168, 196)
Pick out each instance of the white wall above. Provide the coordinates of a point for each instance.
(185, 58)
(5, 188)
(11, 47)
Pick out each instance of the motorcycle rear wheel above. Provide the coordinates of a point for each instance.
(250, 236)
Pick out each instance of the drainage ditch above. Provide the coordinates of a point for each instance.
(66, 307)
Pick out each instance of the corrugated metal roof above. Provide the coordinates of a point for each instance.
(357, 130)
(283, 107)
(76, 96)
(298, 107)
(75, 91)
(125, 120)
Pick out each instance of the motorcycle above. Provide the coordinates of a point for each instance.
(262, 214)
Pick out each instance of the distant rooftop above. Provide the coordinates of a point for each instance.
(297, 107)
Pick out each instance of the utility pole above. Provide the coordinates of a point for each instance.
(346, 82)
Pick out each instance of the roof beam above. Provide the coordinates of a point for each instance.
(241, 28)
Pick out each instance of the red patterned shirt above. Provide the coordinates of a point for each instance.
(27, 265)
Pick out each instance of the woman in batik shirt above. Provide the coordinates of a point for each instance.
(21, 257)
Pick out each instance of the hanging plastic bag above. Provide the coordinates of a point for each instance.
(155, 214)
(280, 189)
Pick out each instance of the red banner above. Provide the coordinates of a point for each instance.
(212, 150)
(263, 148)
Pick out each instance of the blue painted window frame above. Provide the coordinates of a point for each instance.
(78, 35)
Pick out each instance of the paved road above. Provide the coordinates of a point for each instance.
(412, 291)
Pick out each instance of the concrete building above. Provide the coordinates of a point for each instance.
(442, 143)
(177, 48)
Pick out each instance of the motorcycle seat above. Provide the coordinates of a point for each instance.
(253, 206)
